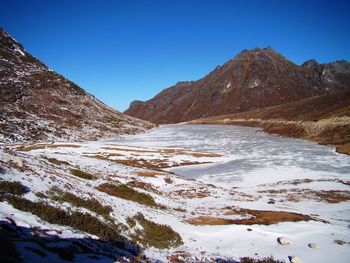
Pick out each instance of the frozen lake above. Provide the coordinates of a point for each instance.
(254, 157)
(277, 173)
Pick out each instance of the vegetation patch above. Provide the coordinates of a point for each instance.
(168, 180)
(128, 150)
(200, 192)
(262, 260)
(182, 256)
(78, 220)
(240, 196)
(82, 174)
(343, 148)
(15, 188)
(147, 173)
(144, 186)
(44, 146)
(153, 164)
(156, 235)
(41, 195)
(131, 222)
(90, 204)
(189, 153)
(297, 194)
(125, 192)
(331, 196)
(258, 217)
(57, 162)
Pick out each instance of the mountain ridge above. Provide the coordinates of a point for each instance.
(251, 80)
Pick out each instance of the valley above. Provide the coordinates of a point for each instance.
(203, 184)
(82, 182)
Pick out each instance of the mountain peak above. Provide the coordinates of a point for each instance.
(258, 53)
(8, 42)
(312, 63)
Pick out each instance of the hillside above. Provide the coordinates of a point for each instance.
(324, 119)
(39, 104)
(254, 79)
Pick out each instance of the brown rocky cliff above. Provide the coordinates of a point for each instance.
(252, 80)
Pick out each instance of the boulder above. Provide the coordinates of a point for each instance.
(294, 259)
(18, 161)
(283, 241)
(312, 245)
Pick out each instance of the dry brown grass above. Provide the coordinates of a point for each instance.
(147, 173)
(191, 193)
(343, 149)
(240, 196)
(189, 153)
(128, 193)
(199, 155)
(114, 154)
(305, 181)
(44, 146)
(259, 217)
(167, 152)
(128, 150)
(154, 164)
(144, 186)
(298, 194)
(331, 196)
(179, 256)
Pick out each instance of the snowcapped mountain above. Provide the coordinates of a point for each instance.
(39, 104)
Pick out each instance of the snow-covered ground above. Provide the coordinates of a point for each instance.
(213, 181)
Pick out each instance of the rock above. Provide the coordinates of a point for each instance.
(312, 245)
(340, 242)
(294, 259)
(18, 161)
(283, 241)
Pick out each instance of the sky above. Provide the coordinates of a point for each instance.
(125, 50)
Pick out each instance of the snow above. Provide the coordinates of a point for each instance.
(251, 165)
(20, 51)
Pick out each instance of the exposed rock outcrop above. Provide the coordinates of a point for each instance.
(333, 75)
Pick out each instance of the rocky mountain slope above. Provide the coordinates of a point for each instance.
(39, 104)
(252, 80)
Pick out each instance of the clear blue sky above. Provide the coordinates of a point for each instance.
(125, 50)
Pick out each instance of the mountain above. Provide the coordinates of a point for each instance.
(252, 80)
(334, 74)
(39, 104)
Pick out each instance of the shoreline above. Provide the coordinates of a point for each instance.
(333, 131)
